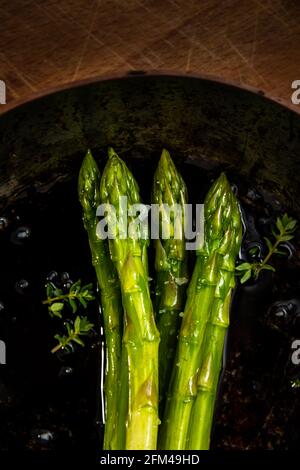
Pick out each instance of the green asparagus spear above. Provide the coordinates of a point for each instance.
(218, 231)
(170, 194)
(128, 252)
(211, 356)
(89, 196)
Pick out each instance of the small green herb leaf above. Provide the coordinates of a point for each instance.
(268, 267)
(285, 238)
(85, 325)
(243, 267)
(73, 305)
(50, 289)
(69, 328)
(246, 276)
(280, 252)
(269, 243)
(75, 288)
(279, 225)
(82, 301)
(78, 340)
(77, 325)
(56, 308)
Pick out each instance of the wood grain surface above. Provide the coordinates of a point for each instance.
(49, 43)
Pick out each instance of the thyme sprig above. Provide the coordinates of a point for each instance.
(282, 232)
(77, 296)
(56, 299)
(80, 327)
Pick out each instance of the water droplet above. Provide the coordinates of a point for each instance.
(64, 354)
(52, 276)
(17, 218)
(20, 236)
(46, 436)
(65, 371)
(253, 195)
(3, 223)
(64, 276)
(67, 285)
(265, 223)
(284, 310)
(187, 400)
(42, 436)
(257, 386)
(289, 248)
(234, 189)
(253, 251)
(21, 286)
(96, 344)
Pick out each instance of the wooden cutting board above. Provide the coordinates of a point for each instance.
(51, 43)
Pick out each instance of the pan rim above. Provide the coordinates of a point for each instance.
(140, 74)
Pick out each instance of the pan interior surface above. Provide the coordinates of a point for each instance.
(53, 402)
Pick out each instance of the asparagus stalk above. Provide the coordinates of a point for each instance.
(119, 441)
(203, 409)
(170, 194)
(219, 229)
(89, 196)
(141, 337)
(211, 357)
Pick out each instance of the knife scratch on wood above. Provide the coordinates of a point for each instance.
(86, 41)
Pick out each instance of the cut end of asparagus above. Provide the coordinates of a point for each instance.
(88, 187)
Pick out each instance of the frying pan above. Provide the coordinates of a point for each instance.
(208, 126)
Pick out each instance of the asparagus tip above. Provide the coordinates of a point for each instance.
(89, 154)
(165, 156)
(223, 178)
(88, 186)
(111, 152)
(88, 163)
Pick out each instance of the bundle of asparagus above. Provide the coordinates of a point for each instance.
(134, 358)
(197, 365)
(227, 248)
